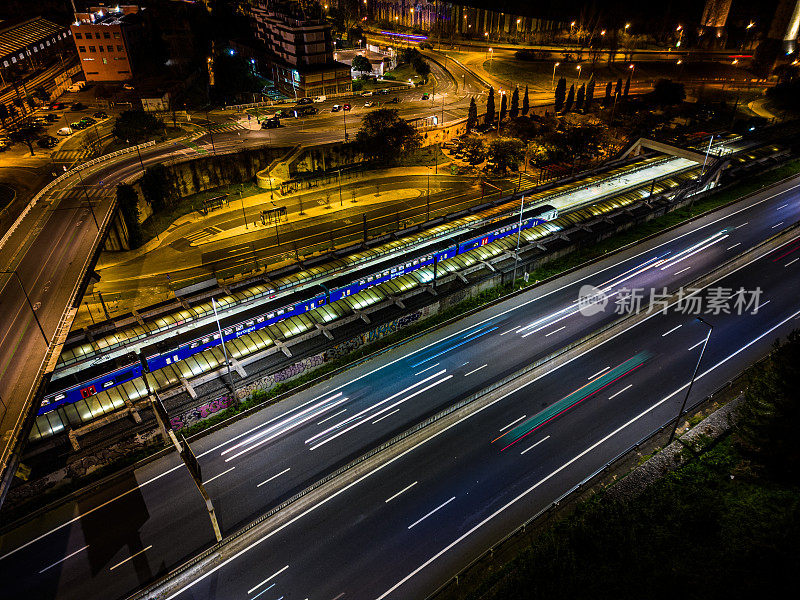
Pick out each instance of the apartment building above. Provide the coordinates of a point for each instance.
(108, 41)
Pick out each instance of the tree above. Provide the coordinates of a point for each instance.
(570, 98)
(503, 108)
(561, 93)
(607, 99)
(506, 152)
(128, 202)
(618, 90)
(137, 125)
(3, 113)
(489, 119)
(361, 64)
(513, 111)
(580, 96)
(627, 86)
(156, 187)
(422, 67)
(587, 102)
(473, 149)
(667, 92)
(525, 103)
(385, 136)
(472, 115)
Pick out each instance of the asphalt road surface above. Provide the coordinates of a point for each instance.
(120, 537)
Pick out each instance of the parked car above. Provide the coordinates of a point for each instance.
(304, 101)
(100, 115)
(346, 107)
(271, 123)
(52, 118)
(46, 141)
(369, 104)
(336, 108)
(64, 131)
(320, 98)
(394, 100)
(88, 120)
(128, 86)
(38, 121)
(426, 96)
(57, 106)
(382, 91)
(78, 125)
(78, 106)
(76, 87)
(367, 94)
(305, 111)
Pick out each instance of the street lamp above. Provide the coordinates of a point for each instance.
(632, 67)
(491, 56)
(554, 74)
(694, 375)
(25, 293)
(579, 72)
(627, 25)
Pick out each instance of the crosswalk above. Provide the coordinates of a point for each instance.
(72, 156)
(221, 127)
(197, 236)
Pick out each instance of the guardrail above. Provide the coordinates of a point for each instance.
(61, 178)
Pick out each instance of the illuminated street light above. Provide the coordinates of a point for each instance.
(603, 32)
(752, 24)
(554, 74)
(579, 72)
(627, 25)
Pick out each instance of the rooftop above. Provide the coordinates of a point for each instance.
(18, 35)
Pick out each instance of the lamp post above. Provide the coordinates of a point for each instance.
(224, 348)
(554, 74)
(694, 375)
(519, 234)
(579, 71)
(632, 67)
(28, 299)
(88, 201)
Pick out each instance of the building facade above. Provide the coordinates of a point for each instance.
(298, 49)
(108, 41)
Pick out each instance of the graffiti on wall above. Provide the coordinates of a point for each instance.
(267, 382)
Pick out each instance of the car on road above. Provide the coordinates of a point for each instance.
(304, 101)
(382, 91)
(64, 131)
(394, 100)
(46, 141)
(336, 108)
(100, 115)
(426, 96)
(78, 106)
(57, 106)
(270, 123)
(369, 104)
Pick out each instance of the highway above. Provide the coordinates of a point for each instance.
(120, 537)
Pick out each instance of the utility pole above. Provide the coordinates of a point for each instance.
(519, 234)
(241, 199)
(85, 193)
(691, 382)
(428, 201)
(224, 348)
(341, 202)
(28, 299)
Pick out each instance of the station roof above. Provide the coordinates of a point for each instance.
(16, 36)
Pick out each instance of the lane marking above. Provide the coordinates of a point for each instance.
(131, 557)
(219, 475)
(428, 369)
(556, 331)
(600, 372)
(791, 262)
(763, 304)
(264, 591)
(782, 206)
(619, 392)
(509, 331)
(734, 246)
(746, 207)
(405, 489)
(777, 225)
(512, 423)
(534, 446)
(268, 579)
(344, 410)
(274, 477)
(58, 562)
(743, 224)
(700, 343)
(666, 333)
(438, 508)
(386, 415)
(682, 270)
(475, 370)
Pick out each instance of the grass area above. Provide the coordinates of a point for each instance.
(403, 73)
(157, 223)
(426, 156)
(556, 267)
(725, 525)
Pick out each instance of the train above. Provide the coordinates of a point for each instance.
(112, 373)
